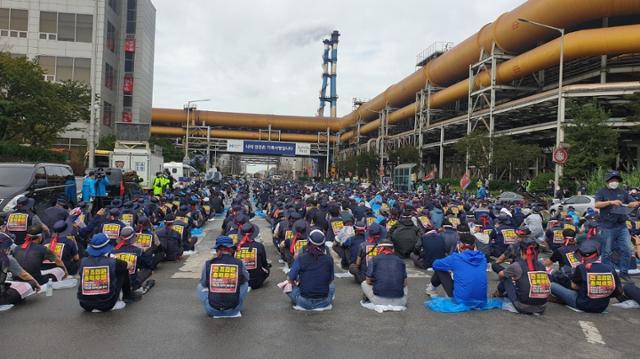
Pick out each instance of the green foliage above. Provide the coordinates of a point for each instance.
(107, 142)
(359, 164)
(170, 152)
(593, 144)
(33, 110)
(11, 152)
(406, 154)
(507, 153)
(540, 183)
(595, 180)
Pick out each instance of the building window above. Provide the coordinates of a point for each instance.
(82, 70)
(14, 22)
(113, 4)
(131, 16)
(48, 25)
(66, 27)
(128, 62)
(111, 37)
(109, 75)
(84, 28)
(127, 101)
(107, 113)
(48, 65)
(64, 68)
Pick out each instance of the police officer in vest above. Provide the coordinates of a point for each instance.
(525, 282)
(139, 263)
(593, 283)
(311, 276)
(253, 255)
(386, 282)
(224, 283)
(102, 278)
(158, 184)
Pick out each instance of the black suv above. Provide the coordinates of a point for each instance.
(44, 182)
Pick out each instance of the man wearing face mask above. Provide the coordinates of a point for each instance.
(613, 204)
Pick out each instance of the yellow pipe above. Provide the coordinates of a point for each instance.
(247, 135)
(508, 34)
(605, 41)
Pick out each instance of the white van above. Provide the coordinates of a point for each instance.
(180, 171)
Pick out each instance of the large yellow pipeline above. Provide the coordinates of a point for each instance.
(246, 135)
(508, 34)
(605, 41)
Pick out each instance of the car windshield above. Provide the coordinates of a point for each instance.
(14, 176)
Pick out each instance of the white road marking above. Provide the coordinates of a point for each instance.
(591, 332)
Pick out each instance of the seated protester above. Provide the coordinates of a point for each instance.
(366, 252)
(170, 240)
(450, 235)
(102, 278)
(253, 255)
(512, 252)
(311, 276)
(502, 235)
(335, 222)
(404, 234)
(129, 215)
(354, 243)
(31, 255)
(21, 219)
(224, 281)
(525, 281)
(467, 267)
(112, 226)
(139, 263)
(64, 246)
(430, 247)
(55, 213)
(632, 292)
(292, 248)
(342, 235)
(424, 221)
(386, 282)
(592, 284)
(9, 295)
(553, 235)
(567, 259)
(148, 241)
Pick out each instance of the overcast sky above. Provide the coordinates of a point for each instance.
(266, 56)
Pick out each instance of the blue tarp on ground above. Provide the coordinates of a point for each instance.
(450, 305)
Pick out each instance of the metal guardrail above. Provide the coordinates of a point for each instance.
(434, 50)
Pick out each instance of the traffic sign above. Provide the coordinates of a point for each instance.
(560, 156)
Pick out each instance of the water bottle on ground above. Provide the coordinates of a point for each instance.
(49, 288)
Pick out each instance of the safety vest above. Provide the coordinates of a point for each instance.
(158, 185)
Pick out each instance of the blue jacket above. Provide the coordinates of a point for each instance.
(482, 193)
(70, 193)
(437, 216)
(469, 270)
(101, 186)
(88, 189)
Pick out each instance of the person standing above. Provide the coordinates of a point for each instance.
(102, 182)
(613, 203)
(89, 187)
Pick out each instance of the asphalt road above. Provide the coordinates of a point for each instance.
(170, 323)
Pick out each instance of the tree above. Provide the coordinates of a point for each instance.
(508, 153)
(366, 163)
(35, 111)
(592, 142)
(170, 152)
(107, 142)
(406, 154)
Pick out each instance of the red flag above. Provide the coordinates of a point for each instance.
(465, 180)
(130, 45)
(430, 176)
(127, 85)
(127, 116)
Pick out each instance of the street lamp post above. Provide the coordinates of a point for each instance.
(186, 138)
(559, 119)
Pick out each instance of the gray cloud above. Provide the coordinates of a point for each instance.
(266, 56)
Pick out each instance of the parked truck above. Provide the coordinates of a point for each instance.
(138, 156)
